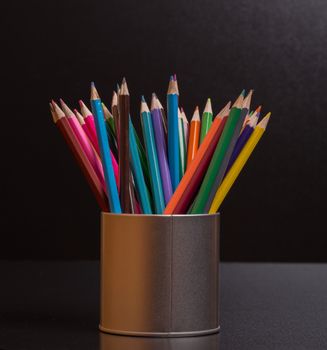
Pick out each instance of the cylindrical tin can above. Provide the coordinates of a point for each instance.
(159, 274)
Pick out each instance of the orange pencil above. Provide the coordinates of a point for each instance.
(190, 182)
(193, 142)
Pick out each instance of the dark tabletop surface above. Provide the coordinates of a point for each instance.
(54, 305)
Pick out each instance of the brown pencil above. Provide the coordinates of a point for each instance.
(124, 170)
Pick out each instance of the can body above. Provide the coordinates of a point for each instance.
(159, 274)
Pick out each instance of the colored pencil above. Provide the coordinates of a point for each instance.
(161, 148)
(193, 143)
(173, 144)
(182, 146)
(243, 138)
(239, 164)
(189, 185)
(82, 139)
(206, 121)
(138, 175)
(105, 151)
(92, 178)
(89, 121)
(218, 157)
(95, 142)
(109, 119)
(124, 170)
(115, 114)
(150, 147)
(163, 116)
(111, 131)
(227, 150)
(144, 161)
(186, 127)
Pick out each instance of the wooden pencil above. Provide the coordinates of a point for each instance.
(173, 137)
(193, 143)
(94, 141)
(92, 178)
(115, 113)
(228, 150)
(189, 185)
(164, 117)
(161, 148)
(239, 164)
(111, 185)
(124, 170)
(150, 146)
(138, 175)
(186, 127)
(218, 157)
(82, 139)
(243, 138)
(182, 146)
(206, 120)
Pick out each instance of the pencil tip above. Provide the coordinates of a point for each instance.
(142, 98)
(243, 93)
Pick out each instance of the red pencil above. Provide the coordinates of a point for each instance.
(84, 163)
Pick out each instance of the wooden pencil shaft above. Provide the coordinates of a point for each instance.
(124, 170)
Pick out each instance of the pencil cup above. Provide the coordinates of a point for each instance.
(159, 274)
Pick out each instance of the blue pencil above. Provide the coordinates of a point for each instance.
(105, 151)
(173, 140)
(138, 172)
(150, 146)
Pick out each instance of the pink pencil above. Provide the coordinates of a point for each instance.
(84, 142)
(89, 121)
(90, 131)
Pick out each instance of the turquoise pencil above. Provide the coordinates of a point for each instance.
(173, 139)
(105, 151)
(138, 172)
(150, 147)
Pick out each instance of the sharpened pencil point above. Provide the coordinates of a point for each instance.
(142, 98)
(94, 92)
(264, 122)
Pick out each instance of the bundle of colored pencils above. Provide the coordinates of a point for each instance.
(181, 168)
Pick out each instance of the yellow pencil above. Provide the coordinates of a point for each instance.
(238, 165)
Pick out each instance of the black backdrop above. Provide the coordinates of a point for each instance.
(52, 49)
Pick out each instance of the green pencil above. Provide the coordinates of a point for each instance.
(218, 157)
(206, 120)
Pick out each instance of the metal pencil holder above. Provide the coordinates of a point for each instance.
(159, 274)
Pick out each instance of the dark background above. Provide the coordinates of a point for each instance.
(53, 49)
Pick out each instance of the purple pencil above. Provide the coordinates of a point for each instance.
(244, 136)
(161, 149)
